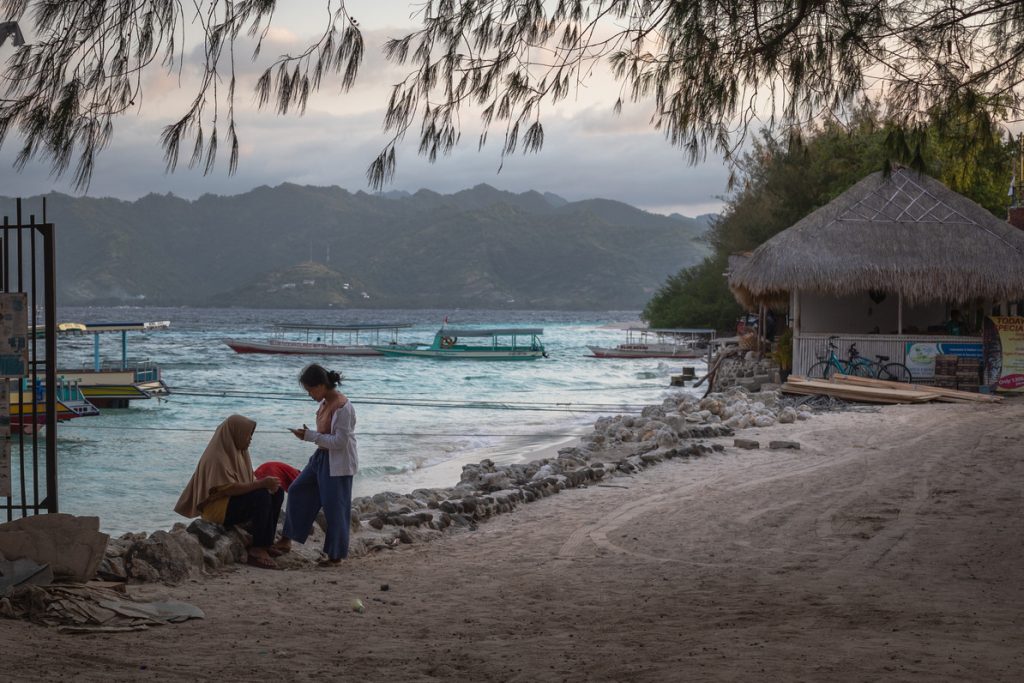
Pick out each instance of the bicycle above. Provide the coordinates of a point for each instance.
(894, 372)
(858, 366)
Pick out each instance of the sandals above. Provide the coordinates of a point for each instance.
(277, 550)
(261, 562)
(328, 563)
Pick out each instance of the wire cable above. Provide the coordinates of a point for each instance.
(538, 406)
(75, 425)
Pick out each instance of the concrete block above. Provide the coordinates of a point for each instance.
(748, 444)
(72, 546)
(778, 445)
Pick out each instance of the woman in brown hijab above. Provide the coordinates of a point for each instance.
(224, 490)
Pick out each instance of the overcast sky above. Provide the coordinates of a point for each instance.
(588, 151)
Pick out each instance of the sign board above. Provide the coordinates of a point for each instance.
(1004, 353)
(13, 335)
(920, 356)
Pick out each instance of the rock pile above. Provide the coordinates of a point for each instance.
(749, 372)
(621, 444)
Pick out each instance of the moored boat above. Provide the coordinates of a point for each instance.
(321, 340)
(114, 383)
(446, 345)
(28, 403)
(642, 342)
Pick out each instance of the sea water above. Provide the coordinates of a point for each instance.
(418, 420)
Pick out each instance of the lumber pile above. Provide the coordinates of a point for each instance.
(866, 390)
(943, 394)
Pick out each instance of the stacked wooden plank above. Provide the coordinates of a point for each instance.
(853, 392)
(942, 394)
(866, 390)
(945, 371)
(968, 374)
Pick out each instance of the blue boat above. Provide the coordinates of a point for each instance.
(507, 343)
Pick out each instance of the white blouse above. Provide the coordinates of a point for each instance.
(341, 442)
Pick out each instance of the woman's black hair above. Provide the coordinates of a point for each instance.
(315, 375)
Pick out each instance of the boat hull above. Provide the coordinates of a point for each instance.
(24, 413)
(605, 352)
(461, 354)
(300, 348)
(115, 388)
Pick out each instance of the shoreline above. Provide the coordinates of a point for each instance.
(447, 473)
(886, 548)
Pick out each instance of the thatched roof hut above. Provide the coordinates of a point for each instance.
(903, 233)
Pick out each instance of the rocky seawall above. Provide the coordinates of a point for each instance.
(619, 445)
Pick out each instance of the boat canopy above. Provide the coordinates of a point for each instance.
(673, 330)
(96, 328)
(493, 332)
(359, 327)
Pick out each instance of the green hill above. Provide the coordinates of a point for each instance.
(480, 247)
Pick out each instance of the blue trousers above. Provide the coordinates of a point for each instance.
(313, 489)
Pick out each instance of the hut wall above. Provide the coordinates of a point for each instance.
(855, 313)
(860, 314)
(809, 348)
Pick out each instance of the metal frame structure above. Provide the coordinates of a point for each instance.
(28, 265)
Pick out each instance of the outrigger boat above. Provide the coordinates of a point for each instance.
(446, 345)
(114, 384)
(642, 342)
(317, 343)
(28, 403)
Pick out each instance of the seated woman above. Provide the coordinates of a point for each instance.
(224, 490)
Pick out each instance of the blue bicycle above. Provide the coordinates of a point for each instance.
(856, 365)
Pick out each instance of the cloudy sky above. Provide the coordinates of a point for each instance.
(588, 151)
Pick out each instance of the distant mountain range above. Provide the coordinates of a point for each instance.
(318, 247)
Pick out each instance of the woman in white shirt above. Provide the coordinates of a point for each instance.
(326, 481)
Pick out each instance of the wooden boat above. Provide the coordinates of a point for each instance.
(322, 340)
(115, 383)
(643, 342)
(28, 403)
(446, 345)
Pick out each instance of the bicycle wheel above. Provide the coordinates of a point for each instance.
(895, 372)
(821, 370)
(862, 368)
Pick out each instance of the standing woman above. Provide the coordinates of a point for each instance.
(326, 481)
(223, 489)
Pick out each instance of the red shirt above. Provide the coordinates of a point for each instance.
(283, 471)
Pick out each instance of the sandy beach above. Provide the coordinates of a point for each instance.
(888, 548)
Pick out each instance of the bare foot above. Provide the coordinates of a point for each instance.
(260, 557)
(282, 547)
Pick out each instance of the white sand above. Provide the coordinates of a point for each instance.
(889, 548)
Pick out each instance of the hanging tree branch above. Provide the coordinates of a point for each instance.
(708, 69)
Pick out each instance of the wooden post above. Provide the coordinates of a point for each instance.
(794, 313)
(899, 314)
(762, 341)
(795, 306)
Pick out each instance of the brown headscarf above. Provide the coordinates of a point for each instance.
(225, 461)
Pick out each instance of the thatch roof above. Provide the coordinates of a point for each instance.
(904, 232)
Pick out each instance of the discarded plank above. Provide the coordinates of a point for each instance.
(851, 392)
(951, 395)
